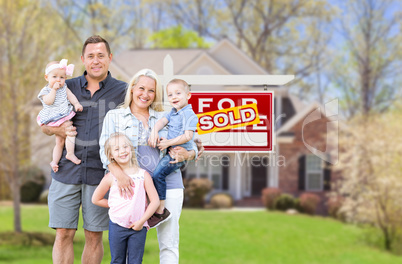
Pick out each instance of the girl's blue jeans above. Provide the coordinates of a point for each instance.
(126, 244)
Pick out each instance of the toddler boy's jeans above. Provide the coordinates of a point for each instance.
(163, 169)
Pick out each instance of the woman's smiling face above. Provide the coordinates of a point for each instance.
(144, 92)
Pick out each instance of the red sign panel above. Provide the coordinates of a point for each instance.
(234, 121)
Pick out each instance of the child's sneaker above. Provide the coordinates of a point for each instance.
(157, 219)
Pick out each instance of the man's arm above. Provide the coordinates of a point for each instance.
(65, 129)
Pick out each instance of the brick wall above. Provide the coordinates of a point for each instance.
(314, 134)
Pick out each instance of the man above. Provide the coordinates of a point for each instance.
(72, 185)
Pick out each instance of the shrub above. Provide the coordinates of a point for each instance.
(269, 195)
(284, 202)
(221, 200)
(32, 183)
(334, 205)
(43, 197)
(308, 203)
(26, 239)
(195, 191)
(297, 205)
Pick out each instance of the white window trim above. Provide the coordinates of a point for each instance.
(307, 172)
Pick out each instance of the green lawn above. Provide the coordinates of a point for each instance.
(209, 236)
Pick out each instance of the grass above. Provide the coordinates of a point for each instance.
(209, 236)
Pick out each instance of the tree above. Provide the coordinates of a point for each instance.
(177, 37)
(29, 35)
(206, 17)
(371, 165)
(124, 23)
(367, 68)
(284, 37)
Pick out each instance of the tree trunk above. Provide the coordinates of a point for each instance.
(16, 201)
(15, 164)
(14, 149)
(387, 239)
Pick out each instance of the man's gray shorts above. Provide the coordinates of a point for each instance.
(64, 203)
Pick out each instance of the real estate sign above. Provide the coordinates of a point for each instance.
(234, 121)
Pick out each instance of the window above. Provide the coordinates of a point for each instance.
(213, 167)
(205, 70)
(190, 171)
(216, 176)
(314, 173)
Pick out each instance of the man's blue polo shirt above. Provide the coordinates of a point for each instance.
(89, 124)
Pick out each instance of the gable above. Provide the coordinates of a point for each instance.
(288, 110)
(223, 58)
(298, 117)
(131, 61)
(204, 65)
(234, 59)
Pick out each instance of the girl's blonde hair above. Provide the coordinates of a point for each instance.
(108, 148)
(157, 103)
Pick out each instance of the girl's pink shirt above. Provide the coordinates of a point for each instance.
(125, 212)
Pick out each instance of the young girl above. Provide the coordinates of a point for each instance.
(128, 224)
(58, 102)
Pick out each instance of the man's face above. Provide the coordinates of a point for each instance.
(96, 61)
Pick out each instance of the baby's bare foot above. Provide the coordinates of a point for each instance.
(54, 166)
(73, 158)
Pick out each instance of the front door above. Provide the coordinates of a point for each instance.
(259, 177)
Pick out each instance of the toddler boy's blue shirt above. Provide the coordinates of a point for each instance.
(180, 121)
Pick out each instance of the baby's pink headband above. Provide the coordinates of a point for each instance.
(61, 65)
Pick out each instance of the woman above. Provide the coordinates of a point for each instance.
(135, 118)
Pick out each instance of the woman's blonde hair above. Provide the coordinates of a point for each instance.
(157, 103)
(108, 148)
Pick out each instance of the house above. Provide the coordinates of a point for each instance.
(292, 167)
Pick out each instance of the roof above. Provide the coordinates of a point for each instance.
(131, 61)
(223, 58)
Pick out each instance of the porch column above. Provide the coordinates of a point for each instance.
(278, 111)
(239, 170)
(271, 170)
(276, 168)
